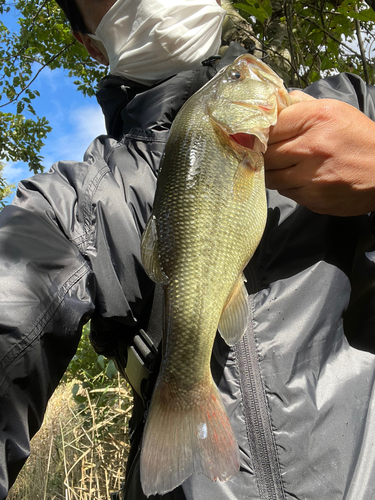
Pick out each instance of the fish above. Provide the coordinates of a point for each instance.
(208, 217)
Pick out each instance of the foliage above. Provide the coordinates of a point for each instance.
(86, 366)
(81, 450)
(90, 371)
(309, 39)
(5, 189)
(42, 39)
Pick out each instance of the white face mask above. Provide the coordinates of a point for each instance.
(150, 40)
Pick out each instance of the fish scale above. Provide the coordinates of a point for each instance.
(208, 217)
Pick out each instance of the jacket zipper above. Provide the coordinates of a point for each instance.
(258, 421)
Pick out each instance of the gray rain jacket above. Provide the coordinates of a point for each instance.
(300, 397)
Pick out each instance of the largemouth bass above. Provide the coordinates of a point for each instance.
(208, 217)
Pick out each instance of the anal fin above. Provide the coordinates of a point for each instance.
(235, 316)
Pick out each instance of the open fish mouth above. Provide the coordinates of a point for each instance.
(258, 140)
(249, 141)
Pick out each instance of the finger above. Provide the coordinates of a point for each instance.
(303, 196)
(293, 121)
(282, 180)
(280, 155)
(299, 96)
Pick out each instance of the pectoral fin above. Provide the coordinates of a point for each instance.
(235, 316)
(150, 253)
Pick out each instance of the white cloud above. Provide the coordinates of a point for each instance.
(81, 126)
(53, 80)
(13, 172)
(88, 122)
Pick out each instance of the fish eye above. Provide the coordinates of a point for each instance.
(235, 75)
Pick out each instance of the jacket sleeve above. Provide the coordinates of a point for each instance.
(47, 293)
(346, 87)
(359, 319)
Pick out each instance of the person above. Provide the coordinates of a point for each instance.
(299, 387)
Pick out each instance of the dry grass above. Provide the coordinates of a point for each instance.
(81, 450)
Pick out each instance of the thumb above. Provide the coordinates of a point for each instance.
(299, 96)
(294, 119)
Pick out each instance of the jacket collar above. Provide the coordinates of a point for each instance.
(128, 105)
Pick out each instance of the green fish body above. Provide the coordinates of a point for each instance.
(208, 218)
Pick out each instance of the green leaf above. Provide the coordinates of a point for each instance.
(111, 370)
(364, 15)
(20, 107)
(75, 389)
(261, 9)
(101, 361)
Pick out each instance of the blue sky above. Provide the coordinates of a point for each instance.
(75, 120)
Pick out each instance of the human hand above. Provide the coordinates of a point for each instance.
(321, 154)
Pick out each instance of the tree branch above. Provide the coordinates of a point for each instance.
(361, 46)
(330, 35)
(36, 75)
(289, 25)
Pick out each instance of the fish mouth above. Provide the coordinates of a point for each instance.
(249, 141)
